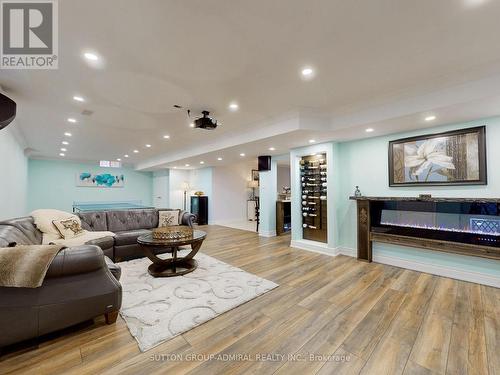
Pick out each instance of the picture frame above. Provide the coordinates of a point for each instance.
(456, 157)
(100, 180)
(255, 175)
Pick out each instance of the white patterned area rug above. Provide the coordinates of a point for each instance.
(157, 309)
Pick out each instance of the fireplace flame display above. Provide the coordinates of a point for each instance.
(441, 221)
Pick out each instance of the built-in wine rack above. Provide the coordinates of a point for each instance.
(313, 180)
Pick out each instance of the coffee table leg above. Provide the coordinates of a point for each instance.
(195, 247)
(174, 258)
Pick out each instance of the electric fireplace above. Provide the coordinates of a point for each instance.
(459, 225)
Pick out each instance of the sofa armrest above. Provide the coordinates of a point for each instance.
(76, 260)
(187, 218)
(103, 242)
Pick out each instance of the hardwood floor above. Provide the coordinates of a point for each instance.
(330, 315)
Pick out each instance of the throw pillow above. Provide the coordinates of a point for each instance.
(69, 228)
(168, 218)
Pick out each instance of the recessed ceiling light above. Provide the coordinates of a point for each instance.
(68, 134)
(91, 56)
(202, 162)
(219, 159)
(271, 149)
(63, 149)
(78, 98)
(118, 159)
(474, 3)
(65, 143)
(136, 151)
(72, 120)
(62, 154)
(430, 118)
(148, 146)
(307, 72)
(125, 156)
(191, 124)
(312, 141)
(175, 167)
(234, 106)
(166, 136)
(187, 165)
(369, 130)
(242, 154)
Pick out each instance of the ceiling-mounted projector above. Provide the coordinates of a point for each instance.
(205, 122)
(7, 111)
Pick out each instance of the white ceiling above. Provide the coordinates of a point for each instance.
(379, 63)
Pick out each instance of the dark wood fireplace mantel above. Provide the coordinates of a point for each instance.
(373, 228)
(430, 199)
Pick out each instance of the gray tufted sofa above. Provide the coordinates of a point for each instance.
(127, 225)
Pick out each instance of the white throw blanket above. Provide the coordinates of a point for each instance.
(82, 239)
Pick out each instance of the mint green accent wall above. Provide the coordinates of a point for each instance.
(52, 184)
(364, 163)
(13, 175)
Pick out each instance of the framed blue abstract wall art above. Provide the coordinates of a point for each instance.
(101, 180)
(452, 158)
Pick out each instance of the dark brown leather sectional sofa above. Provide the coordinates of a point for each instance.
(82, 281)
(80, 284)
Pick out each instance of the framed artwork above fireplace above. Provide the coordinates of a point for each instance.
(456, 157)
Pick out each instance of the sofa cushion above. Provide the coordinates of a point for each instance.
(129, 237)
(94, 221)
(30, 234)
(119, 221)
(12, 236)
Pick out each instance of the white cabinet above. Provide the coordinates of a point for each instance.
(251, 210)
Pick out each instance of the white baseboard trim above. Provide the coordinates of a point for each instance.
(446, 271)
(347, 251)
(267, 233)
(316, 247)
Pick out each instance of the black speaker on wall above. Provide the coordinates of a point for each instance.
(7, 111)
(264, 163)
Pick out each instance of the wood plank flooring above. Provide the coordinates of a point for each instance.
(330, 315)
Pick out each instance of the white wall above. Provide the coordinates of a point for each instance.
(161, 189)
(283, 177)
(230, 192)
(202, 180)
(176, 195)
(13, 174)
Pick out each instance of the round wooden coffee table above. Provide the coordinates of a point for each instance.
(173, 266)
